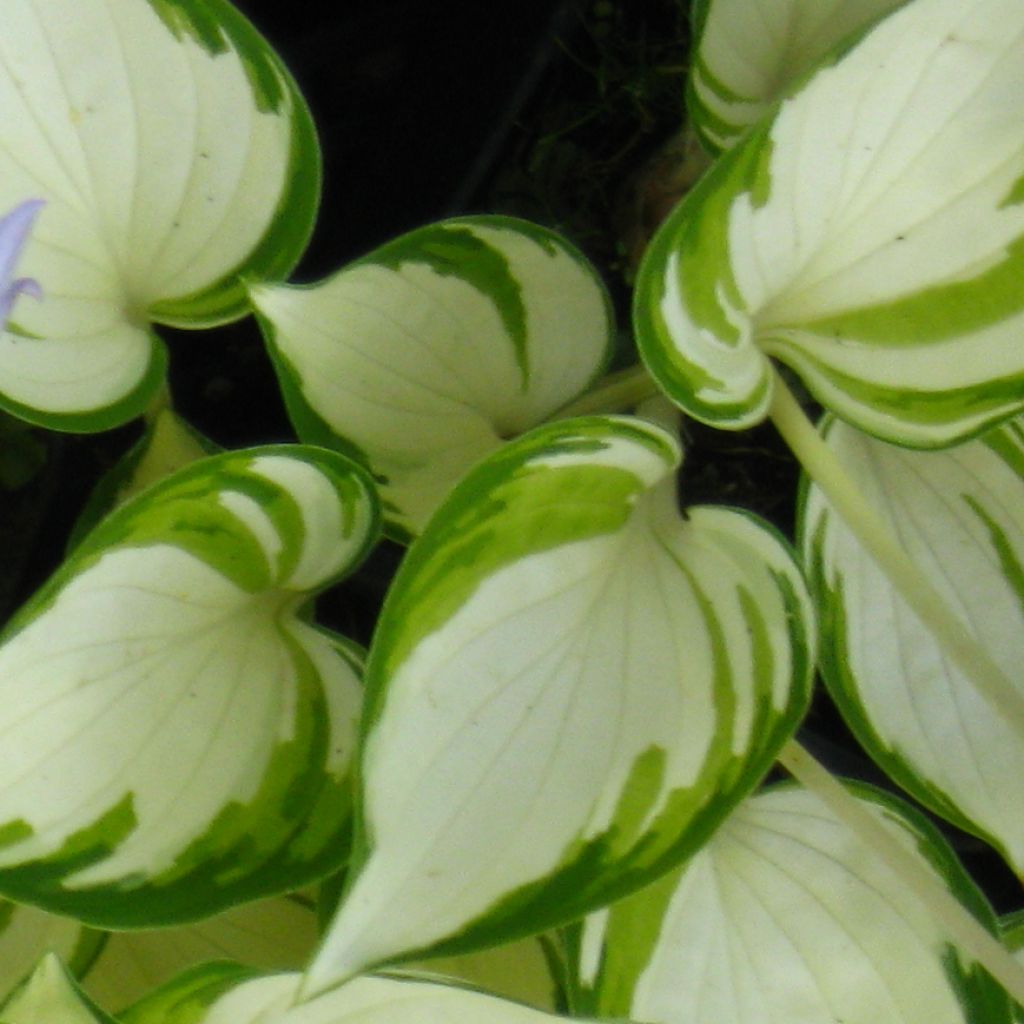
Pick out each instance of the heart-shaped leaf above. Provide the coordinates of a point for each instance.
(785, 917)
(222, 994)
(174, 155)
(428, 352)
(959, 514)
(750, 53)
(176, 736)
(570, 686)
(870, 235)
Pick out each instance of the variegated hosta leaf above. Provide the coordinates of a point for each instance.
(176, 736)
(223, 994)
(785, 917)
(272, 935)
(871, 236)
(425, 354)
(26, 934)
(751, 52)
(960, 515)
(50, 996)
(1012, 929)
(174, 154)
(570, 687)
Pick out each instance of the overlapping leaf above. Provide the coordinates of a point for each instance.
(785, 917)
(570, 687)
(960, 515)
(176, 737)
(430, 351)
(870, 235)
(224, 994)
(750, 52)
(173, 154)
(50, 996)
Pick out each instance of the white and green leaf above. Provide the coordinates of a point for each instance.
(870, 235)
(959, 514)
(177, 737)
(174, 155)
(225, 994)
(50, 996)
(26, 934)
(750, 53)
(570, 686)
(785, 917)
(277, 934)
(427, 353)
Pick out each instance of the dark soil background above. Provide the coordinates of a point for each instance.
(556, 111)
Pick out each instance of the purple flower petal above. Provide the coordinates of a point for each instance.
(14, 232)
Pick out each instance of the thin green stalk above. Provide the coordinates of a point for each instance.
(962, 929)
(950, 633)
(624, 389)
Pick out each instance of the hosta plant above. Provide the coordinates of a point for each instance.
(538, 793)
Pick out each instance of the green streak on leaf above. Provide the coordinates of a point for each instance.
(98, 840)
(6, 913)
(1010, 566)
(219, 29)
(642, 790)
(453, 250)
(14, 832)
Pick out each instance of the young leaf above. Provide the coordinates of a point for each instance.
(174, 155)
(570, 686)
(272, 935)
(870, 235)
(428, 352)
(222, 994)
(26, 934)
(751, 52)
(176, 736)
(960, 515)
(50, 996)
(786, 918)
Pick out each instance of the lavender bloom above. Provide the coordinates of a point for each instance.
(14, 231)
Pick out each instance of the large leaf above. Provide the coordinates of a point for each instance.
(176, 736)
(570, 686)
(751, 52)
(785, 917)
(174, 155)
(26, 934)
(959, 514)
(870, 235)
(224, 994)
(428, 352)
(272, 935)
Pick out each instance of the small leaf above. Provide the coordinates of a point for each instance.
(272, 935)
(750, 53)
(786, 918)
(174, 155)
(26, 934)
(870, 236)
(569, 688)
(221, 994)
(177, 738)
(426, 353)
(50, 996)
(960, 515)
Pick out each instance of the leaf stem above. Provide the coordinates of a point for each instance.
(616, 392)
(950, 633)
(961, 927)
